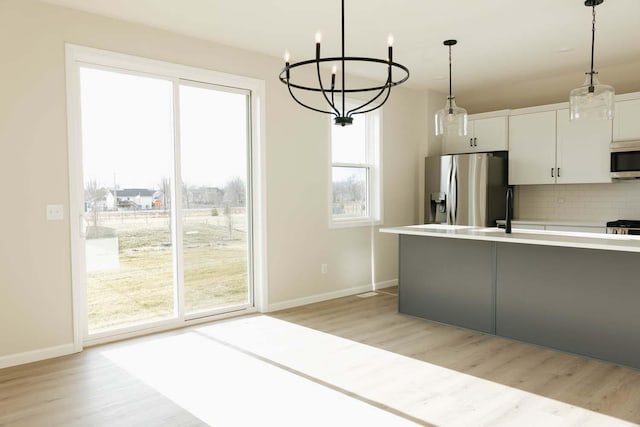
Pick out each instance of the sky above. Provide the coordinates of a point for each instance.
(128, 128)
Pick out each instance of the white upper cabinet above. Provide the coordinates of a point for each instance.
(485, 133)
(532, 148)
(489, 134)
(582, 150)
(626, 121)
(546, 148)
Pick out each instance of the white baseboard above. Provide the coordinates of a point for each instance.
(65, 349)
(36, 355)
(329, 295)
(387, 284)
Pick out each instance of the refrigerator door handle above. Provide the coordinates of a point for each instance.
(452, 197)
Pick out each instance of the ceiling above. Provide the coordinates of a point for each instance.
(500, 41)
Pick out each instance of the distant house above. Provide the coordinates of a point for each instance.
(135, 198)
(99, 200)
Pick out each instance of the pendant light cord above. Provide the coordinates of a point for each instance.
(343, 78)
(593, 42)
(450, 95)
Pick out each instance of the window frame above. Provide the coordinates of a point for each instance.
(77, 56)
(373, 167)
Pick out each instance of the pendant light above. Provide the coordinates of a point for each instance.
(592, 100)
(379, 93)
(451, 121)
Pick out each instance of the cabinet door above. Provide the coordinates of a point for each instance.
(626, 122)
(532, 148)
(583, 150)
(490, 134)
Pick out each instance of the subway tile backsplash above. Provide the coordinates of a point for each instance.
(579, 202)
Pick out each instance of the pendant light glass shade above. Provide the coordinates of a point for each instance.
(451, 121)
(592, 100)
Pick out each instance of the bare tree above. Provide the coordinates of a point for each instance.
(93, 196)
(227, 214)
(235, 193)
(165, 188)
(187, 195)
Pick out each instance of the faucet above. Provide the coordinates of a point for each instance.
(507, 225)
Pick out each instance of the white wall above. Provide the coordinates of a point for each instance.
(35, 278)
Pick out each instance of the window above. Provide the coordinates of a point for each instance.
(355, 172)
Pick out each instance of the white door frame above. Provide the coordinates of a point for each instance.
(77, 55)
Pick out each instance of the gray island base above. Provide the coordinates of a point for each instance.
(583, 301)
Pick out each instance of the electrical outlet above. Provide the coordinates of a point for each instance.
(323, 268)
(55, 212)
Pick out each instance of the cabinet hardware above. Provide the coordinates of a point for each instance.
(475, 142)
(558, 174)
(552, 176)
(470, 142)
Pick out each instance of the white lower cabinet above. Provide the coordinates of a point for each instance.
(546, 148)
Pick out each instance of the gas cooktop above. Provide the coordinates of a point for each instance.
(624, 226)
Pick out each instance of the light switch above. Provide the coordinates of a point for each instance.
(55, 212)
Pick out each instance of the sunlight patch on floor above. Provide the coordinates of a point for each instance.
(265, 371)
(226, 387)
(437, 395)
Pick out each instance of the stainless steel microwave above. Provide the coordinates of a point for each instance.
(625, 160)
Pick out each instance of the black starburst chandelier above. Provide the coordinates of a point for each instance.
(337, 107)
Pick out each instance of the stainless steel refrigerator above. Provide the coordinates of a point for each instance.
(466, 189)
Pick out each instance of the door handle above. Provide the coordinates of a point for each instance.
(83, 226)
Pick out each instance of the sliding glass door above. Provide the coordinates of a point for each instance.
(214, 125)
(166, 212)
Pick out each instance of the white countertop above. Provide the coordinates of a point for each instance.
(610, 242)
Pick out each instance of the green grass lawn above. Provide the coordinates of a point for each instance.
(215, 272)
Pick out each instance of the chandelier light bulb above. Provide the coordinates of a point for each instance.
(318, 37)
(390, 40)
(334, 70)
(287, 56)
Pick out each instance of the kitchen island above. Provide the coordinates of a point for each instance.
(577, 292)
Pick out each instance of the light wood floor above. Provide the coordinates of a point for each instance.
(347, 362)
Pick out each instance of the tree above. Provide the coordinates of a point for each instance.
(93, 196)
(165, 189)
(235, 193)
(187, 196)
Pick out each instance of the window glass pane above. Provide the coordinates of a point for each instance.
(348, 143)
(213, 131)
(127, 138)
(349, 192)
